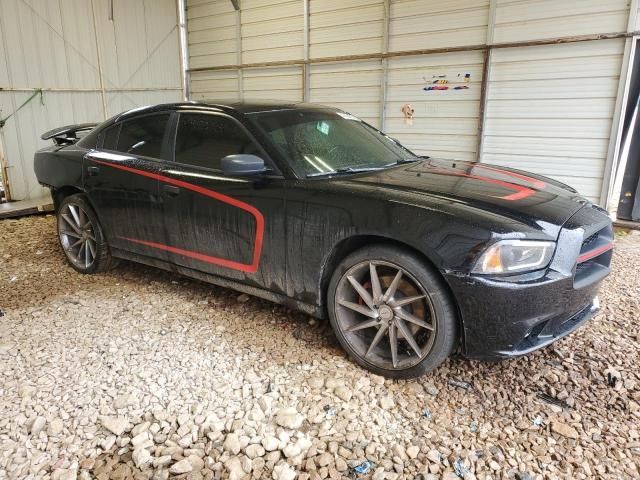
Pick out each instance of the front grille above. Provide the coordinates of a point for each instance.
(595, 257)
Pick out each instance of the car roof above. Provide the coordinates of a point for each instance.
(227, 106)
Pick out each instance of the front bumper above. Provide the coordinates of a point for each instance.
(504, 318)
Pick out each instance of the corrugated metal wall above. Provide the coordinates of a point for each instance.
(53, 46)
(547, 108)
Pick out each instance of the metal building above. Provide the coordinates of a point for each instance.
(81, 61)
(533, 84)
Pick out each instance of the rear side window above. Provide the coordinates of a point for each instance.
(203, 140)
(110, 138)
(143, 136)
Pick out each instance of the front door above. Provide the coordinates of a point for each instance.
(121, 181)
(229, 226)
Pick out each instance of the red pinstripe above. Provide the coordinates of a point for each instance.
(223, 262)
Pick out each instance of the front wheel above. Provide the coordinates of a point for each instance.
(81, 236)
(391, 312)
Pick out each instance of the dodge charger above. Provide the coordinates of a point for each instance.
(410, 257)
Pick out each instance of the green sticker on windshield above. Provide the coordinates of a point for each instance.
(323, 127)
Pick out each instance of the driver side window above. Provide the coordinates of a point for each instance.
(204, 140)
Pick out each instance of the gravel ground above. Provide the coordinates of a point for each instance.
(139, 373)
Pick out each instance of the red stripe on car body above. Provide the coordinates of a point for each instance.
(534, 182)
(223, 262)
(521, 192)
(594, 253)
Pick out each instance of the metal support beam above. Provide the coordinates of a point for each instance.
(482, 111)
(613, 170)
(4, 167)
(484, 85)
(427, 51)
(306, 67)
(385, 67)
(99, 56)
(239, 50)
(183, 44)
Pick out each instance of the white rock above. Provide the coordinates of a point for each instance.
(289, 418)
(413, 451)
(37, 425)
(55, 427)
(254, 450)
(343, 393)
(140, 439)
(265, 402)
(116, 425)
(387, 402)
(234, 467)
(291, 450)
(283, 472)
(162, 461)
(122, 401)
(141, 457)
(270, 443)
(183, 466)
(232, 444)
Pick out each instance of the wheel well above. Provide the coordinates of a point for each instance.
(351, 244)
(59, 194)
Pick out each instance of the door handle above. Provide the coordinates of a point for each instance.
(171, 190)
(93, 171)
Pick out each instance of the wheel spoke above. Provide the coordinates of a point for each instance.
(78, 242)
(366, 297)
(75, 215)
(71, 223)
(80, 253)
(406, 301)
(362, 309)
(408, 336)
(363, 325)
(83, 218)
(87, 253)
(413, 319)
(92, 248)
(393, 342)
(70, 234)
(393, 287)
(375, 284)
(376, 340)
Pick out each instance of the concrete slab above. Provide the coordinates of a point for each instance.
(26, 207)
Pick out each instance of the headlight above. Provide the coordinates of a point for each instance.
(511, 256)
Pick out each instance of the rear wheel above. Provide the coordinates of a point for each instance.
(391, 312)
(81, 236)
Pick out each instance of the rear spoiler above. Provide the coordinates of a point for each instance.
(67, 135)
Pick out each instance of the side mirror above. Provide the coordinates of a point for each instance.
(243, 164)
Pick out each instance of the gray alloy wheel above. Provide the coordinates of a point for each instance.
(76, 236)
(81, 236)
(391, 312)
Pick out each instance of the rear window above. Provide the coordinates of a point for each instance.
(143, 136)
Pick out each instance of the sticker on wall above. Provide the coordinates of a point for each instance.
(441, 83)
(408, 111)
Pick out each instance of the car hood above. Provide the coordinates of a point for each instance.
(523, 196)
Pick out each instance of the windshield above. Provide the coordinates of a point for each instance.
(317, 142)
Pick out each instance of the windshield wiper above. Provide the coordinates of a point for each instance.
(405, 160)
(344, 170)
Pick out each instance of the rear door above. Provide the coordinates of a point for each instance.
(229, 226)
(121, 181)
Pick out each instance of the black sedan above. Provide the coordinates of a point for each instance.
(410, 257)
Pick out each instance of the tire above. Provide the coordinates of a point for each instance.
(81, 237)
(419, 306)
